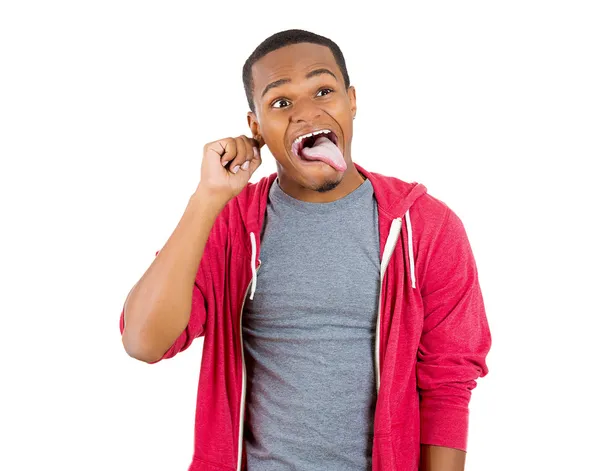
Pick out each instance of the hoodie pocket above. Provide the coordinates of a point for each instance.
(383, 453)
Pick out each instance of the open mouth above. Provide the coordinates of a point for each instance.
(319, 147)
(309, 139)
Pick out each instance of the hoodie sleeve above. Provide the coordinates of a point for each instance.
(455, 338)
(195, 326)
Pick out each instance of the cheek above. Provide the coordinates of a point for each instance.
(341, 110)
(274, 134)
(343, 115)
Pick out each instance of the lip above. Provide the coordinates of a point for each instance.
(306, 131)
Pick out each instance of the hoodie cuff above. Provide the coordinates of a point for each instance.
(446, 427)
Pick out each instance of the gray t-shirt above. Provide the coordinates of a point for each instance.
(309, 335)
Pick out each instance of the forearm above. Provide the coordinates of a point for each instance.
(158, 307)
(439, 458)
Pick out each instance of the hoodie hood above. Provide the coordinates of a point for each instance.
(394, 199)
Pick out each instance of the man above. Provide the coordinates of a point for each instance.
(343, 323)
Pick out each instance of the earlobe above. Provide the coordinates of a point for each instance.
(259, 138)
(255, 129)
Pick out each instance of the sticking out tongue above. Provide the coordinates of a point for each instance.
(325, 151)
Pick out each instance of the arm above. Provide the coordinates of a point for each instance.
(453, 347)
(439, 458)
(167, 308)
(157, 309)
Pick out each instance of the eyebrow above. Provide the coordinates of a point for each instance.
(312, 73)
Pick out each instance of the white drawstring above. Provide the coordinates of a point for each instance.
(390, 244)
(411, 257)
(253, 264)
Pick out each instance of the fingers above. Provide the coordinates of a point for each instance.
(235, 154)
(256, 157)
(255, 162)
(245, 153)
(253, 157)
(225, 149)
(240, 156)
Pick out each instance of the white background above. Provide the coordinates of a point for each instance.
(104, 109)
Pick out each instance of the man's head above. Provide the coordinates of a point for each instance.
(296, 83)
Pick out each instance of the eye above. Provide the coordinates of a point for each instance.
(278, 101)
(324, 89)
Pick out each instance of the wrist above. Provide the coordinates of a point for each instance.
(208, 199)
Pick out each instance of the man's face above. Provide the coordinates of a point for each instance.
(289, 105)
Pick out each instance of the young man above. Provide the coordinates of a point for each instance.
(343, 322)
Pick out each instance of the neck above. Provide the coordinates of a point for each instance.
(351, 180)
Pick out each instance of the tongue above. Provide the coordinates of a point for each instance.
(325, 151)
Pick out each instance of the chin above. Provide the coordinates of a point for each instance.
(327, 185)
(323, 183)
(313, 178)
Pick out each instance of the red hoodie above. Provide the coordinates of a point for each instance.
(431, 341)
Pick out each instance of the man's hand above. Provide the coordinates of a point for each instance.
(227, 166)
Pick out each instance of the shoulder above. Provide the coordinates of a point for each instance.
(242, 213)
(429, 211)
(436, 224)
(426, 211)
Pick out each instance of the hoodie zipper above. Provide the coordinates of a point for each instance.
(243, 399)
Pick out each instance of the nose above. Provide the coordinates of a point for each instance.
(305, 110)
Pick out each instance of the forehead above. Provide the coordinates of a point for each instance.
(292, 62)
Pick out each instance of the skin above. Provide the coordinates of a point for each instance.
(299, 106)
(439, 458)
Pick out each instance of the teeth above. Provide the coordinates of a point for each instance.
(321, 131)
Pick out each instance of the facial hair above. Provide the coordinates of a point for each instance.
(328, 186)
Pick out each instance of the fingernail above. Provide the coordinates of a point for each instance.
(235, 169)
(255, 152)
(245, 165)
(225, 163)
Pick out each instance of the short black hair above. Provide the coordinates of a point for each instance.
(286, 38)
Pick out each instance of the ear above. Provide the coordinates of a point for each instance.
(352, 97)
(255, 128)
